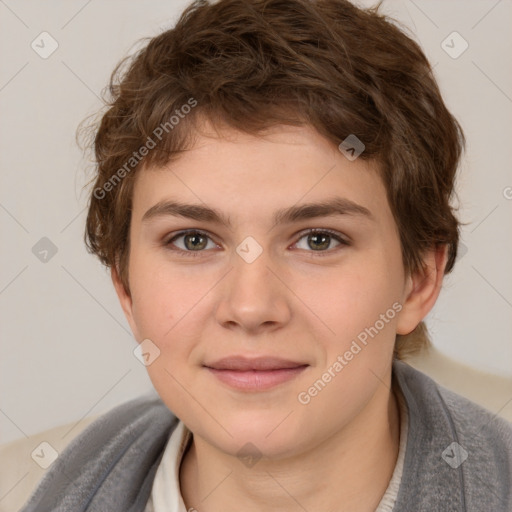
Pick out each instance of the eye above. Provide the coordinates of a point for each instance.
(319, 240)
(193, 242)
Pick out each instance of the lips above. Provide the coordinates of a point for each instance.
(254, 374)
(238, 363)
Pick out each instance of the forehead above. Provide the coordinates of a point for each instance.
(284, 166)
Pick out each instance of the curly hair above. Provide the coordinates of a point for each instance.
(252, 64)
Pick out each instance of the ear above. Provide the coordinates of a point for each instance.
(422, 289)
(125, 300)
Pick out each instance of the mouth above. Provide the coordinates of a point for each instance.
(257, 374)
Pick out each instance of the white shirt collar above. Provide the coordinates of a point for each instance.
(165, 493)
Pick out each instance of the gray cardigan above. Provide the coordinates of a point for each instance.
(111, 465)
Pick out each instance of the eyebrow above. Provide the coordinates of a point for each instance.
(331, 207)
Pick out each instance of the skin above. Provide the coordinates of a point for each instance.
(298, 300)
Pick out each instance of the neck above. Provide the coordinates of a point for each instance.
(349, 471)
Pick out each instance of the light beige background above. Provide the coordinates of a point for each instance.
(66, 349)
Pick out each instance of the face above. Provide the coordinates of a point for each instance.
(307, 300)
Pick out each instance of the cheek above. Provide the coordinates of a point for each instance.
(168, 310)
(354, 298)
(160, 312)
(156, 296)
(361, 308)
(153, 312)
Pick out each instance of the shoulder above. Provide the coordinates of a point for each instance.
(472, 422)
(26, 463)
(459, 452)
(485, 440)
(478, 403)
(493, 392)
(23, 461)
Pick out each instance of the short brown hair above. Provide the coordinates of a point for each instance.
(252, 64)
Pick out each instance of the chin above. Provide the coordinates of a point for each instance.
(266, 434)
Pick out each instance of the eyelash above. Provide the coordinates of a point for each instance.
(195, 254)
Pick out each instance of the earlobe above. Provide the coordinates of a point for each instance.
(422, 289)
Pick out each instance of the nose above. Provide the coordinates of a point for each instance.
(254, 296)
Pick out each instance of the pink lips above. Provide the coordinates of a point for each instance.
(257, 374)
